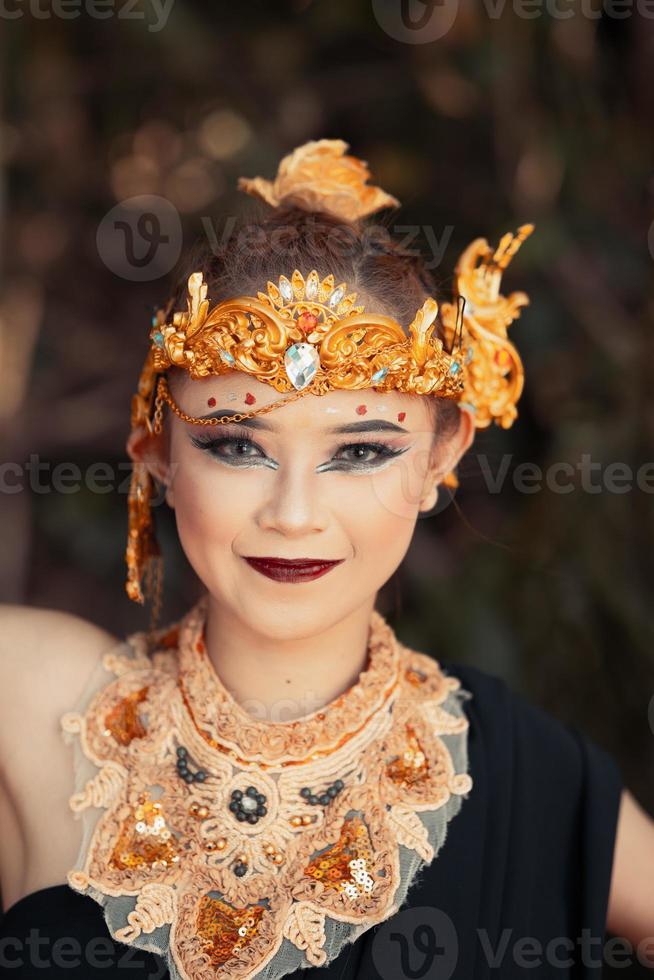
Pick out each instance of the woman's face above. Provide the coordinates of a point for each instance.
(288, 484)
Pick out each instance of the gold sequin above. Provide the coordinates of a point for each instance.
(123, 721)
(346, 865)
(145, 840)
(411, 767)
(414, 677)
(224, 930)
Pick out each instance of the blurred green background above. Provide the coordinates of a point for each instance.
(504, 119)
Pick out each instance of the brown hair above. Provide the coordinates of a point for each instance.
(385, 276)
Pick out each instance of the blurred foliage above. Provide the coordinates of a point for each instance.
(503, 120)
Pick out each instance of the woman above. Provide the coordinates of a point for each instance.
(276, 783)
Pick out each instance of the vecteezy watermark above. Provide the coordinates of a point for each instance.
(416, 21)
(41, 477)
(340, 238)
(67, 952)
(415, 943)
(140, 239)
(563, 477)
(423, 942)
(424, 21)
(154, 13)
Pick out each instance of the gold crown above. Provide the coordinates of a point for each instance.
(307, 335)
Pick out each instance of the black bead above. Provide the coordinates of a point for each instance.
(234, 806)
(252, 818)
(261, 810)
(181, 751)
(241, 816)
(339, 784)
(324, 799)
(200, 776)
(237, 794)
(188, 777)
(332, 791)
(240, 869)
(251, 791)
(313, 799)
(260, 798)
(182, 769)
(305, 791)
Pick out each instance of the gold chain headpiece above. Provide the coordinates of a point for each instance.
(307, 335)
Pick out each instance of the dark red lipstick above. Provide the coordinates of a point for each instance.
(292, 569)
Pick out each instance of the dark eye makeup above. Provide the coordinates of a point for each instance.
(240, 449)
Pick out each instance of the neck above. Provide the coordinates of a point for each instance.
(282, 680)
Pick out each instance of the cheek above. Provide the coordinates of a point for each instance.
(380, 512)
(395, 493)
(210, 505)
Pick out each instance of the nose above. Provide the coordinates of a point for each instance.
(292, 504)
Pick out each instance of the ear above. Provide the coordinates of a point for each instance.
(151, 449)
(446, 458)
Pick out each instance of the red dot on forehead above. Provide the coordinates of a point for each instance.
(361, 409)
(211, 402)
(250, 399)
(401, 416)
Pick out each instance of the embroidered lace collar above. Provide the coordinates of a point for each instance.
(230, 728)
(237, 848)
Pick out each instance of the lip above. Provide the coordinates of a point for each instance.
(292, 569)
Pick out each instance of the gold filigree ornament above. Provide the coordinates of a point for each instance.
(306, 334)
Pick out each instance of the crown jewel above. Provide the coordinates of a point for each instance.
(305, 329)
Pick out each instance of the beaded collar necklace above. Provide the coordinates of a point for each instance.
(228, 728)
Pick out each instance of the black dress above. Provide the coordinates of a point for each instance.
(519, 888)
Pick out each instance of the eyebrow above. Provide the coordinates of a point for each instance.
(367, 425)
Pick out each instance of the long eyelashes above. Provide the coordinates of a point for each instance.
(224, 448)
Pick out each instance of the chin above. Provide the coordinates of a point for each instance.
(294, 619)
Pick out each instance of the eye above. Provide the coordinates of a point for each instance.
(361, 452)
(240, 450)
(229, 447)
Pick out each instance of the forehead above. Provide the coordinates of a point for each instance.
(239, 392)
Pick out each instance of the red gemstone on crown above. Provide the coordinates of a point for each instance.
(401, 416)
(250, 399)
(361, 409)
(307, 322)
(211, 402)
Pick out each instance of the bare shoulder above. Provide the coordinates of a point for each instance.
(631, 899)
(46, 657)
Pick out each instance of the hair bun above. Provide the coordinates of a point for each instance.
(319, 176)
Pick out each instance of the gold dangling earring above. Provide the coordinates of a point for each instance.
(143, 554)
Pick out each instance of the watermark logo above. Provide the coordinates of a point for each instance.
(140, 239)
(416, 21)
(415, 943)
(425, 21)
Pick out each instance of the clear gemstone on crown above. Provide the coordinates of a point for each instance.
(301, 362)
